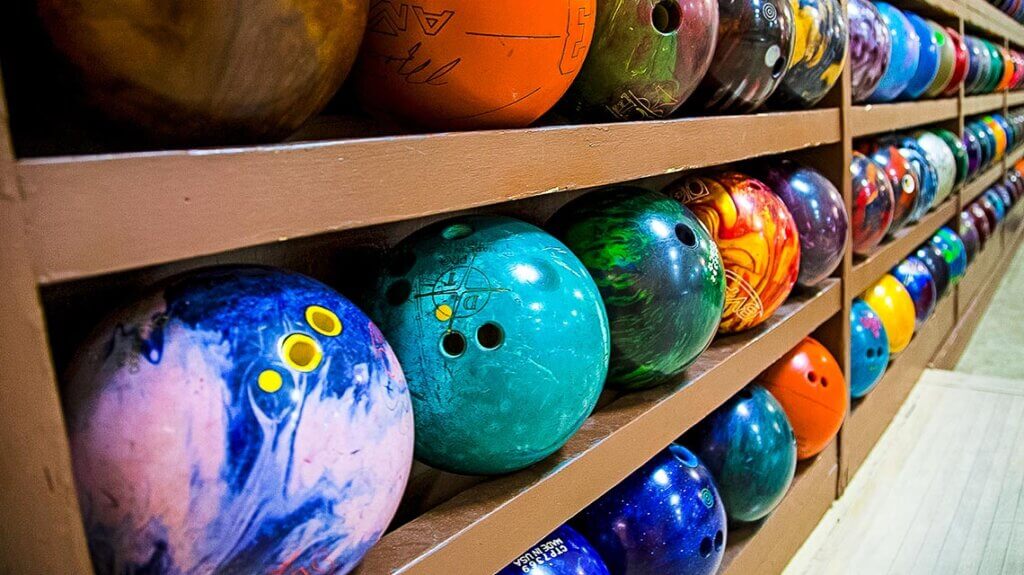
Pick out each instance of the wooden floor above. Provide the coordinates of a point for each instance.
(940, 493)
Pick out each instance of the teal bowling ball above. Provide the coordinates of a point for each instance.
(749, 446)
(659, 273)
(502, 336)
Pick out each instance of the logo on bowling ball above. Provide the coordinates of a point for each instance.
(769, 11)
(578, 28)
(707, 498)
(630, 106)
(691, 190)
(740, 298)
(386, 19)
(872, 324)
(460, 292)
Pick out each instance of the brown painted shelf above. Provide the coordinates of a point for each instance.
(1015, 98)
(1014, 156)
(879, 118)
(87, 216)
(987, 17)
(509, 514)
(978, 185)
(983, 103)
(867, 271)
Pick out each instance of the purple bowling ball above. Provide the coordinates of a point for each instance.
(819, 212)
(970, 235)
(869, 48)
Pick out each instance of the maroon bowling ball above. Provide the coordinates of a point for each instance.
(990, 212)
(981, 222)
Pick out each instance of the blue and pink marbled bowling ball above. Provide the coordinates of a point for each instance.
(237, 420)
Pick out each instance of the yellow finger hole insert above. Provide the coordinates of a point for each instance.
(301, 352)
(323, 320)
(443, 312)
(270, 381)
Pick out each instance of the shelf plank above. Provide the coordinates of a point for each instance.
(886, 256)
(93, 215)
(978, 185)
(984, 103)
(879, 118)
(987, 17)
(1014, 156)
(1015, 98)
(509, 514)
(978, 274)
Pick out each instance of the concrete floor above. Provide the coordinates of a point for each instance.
(943, 491)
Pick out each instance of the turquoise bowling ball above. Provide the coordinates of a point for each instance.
(503, 338)
(869, 349)
(953, 251)
(563, 552)
(749, 446)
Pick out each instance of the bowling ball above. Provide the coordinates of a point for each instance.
(903, 181)
(895, 307)
(755, 45)
(956, 146)
(914, 276)
(564, 552)
(659, 274)
(648, 57)
(463, 301)
(928, 58)
(666, 517)
(809, 383)
(1004, 194)
(997, 201)
(873, 203)
(959, 66)
(981, 221)
(819, 53)
(998, 134)
(203, 73)
(991, 213)
(869, 349)
(970, 236)
(975, 152)
(953, 251)
(947, 60)
(1008, 69)
(941, 158)
(932, 257)
(870, 48)
(977, 64)
(927, 177)
(749, 447)
(756, 237)
(237, 418)
(996, 67)
(469, 65)
(819, 213)
(905, 50)
(987, 140)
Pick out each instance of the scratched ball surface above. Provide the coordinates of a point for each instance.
(469, 64)
(503, 337)
(237, 420)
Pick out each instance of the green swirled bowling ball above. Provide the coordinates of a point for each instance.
(659, 273)
(502, 336)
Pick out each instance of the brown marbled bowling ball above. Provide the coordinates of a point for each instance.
(208, 72)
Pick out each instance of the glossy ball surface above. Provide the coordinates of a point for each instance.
(869, 349)
(666, 517)
(927, 178)
(756, 237)
(820, 41)
(563, 552)
(809, 383)
(953, 251)
(819, 213)
(904, 183)
(970, 236)
(981, 221)
(237, 418)
(905, 51)
(895, 307)
(947, 60)
(870, 48)
(873, 203)
(928, 58)
(937, 266)
(941, 158)
(659, 274)
(956, 146)
(463, 302)
(914, 276)
(749, 447)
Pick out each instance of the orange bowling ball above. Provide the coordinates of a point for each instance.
(893, 304)
(471, 64)
(809, 384)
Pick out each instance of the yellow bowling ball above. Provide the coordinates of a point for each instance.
(892, 302)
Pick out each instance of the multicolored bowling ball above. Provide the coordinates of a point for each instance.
(956, 145)
(959, 66)
(947, 60)
(997, 201)
(953, 251)
(905, 50)
(941, 158)
(928, 58)
(471, 65)
(755, 44)
(892, 302)
(200, 73)
(981, 221)
(666, 517)
(819, 213)
(462, 302)
(659, 274)
(932, 257)
(819, 53)
(998, 134)
(927, 178)
(237, 418)
(564, 552)
(809, 384)
(749, 447)
(903, 181)
(1004, 194)
(869, 349)
(873, 203)
(970, 236)
(914, 276)
(870, 48)
(755, 235)
(647, 58)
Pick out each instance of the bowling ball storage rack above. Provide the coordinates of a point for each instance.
(81, 233)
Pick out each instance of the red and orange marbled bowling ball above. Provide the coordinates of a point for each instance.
(756, 237)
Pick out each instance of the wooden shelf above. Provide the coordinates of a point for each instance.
(767, 547)
(509, 514)
(1015, 98)
(992, 20)
(984, 103)
(879, 118)
(978, 185)
(867, 271)
(1014, 156)
(93, 215)
(978, 273)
